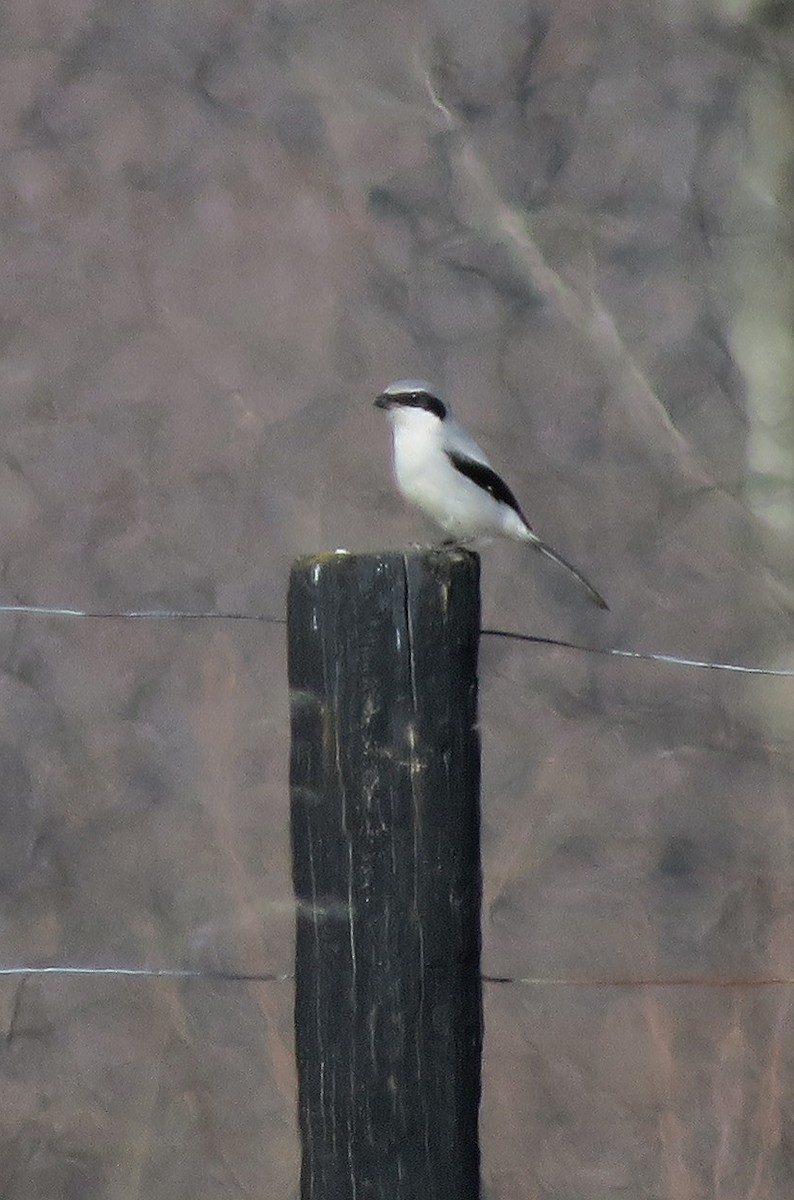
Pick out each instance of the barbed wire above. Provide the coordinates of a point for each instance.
(168, 614)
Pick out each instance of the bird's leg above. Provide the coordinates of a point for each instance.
(448, 543)
(461, 543)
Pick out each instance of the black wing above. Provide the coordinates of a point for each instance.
(487, 479)
(490, 482)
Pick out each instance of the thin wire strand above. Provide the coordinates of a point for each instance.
(670, 659)
(680, 981)
(150, 973)
(723, 982)
(146, 614)
(165, 614)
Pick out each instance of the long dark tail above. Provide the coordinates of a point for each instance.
(595, 596)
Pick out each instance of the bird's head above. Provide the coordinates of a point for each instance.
(412, 401)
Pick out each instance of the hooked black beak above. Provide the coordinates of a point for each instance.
(384, 400)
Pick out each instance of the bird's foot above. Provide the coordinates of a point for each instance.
(460, 543)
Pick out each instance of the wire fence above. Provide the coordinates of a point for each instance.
(247, 977)
(540, 981)
(155, 614)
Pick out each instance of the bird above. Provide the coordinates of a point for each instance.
(442, 471)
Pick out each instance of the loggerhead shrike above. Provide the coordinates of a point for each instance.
(443, 471)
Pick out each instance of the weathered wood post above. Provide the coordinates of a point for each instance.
(385, 775)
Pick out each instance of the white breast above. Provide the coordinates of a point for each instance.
(427, 478)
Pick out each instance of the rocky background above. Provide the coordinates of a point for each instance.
(225, 226)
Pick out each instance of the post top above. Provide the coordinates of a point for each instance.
(433, 555)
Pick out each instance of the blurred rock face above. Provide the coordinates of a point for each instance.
(225, 228)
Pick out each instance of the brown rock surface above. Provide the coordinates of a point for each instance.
(225, 227)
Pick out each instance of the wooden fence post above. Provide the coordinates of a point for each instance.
(384, 780)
